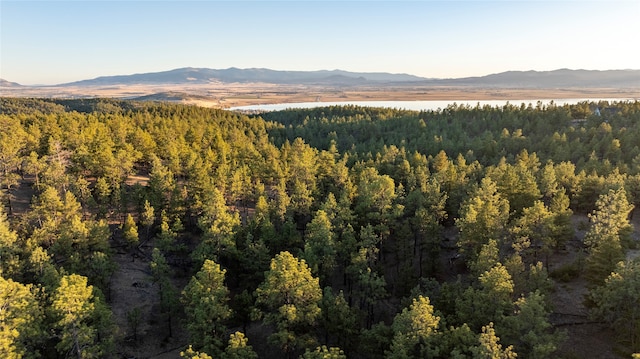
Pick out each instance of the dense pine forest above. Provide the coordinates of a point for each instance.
(137, 230)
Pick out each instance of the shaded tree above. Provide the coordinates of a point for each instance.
(319, 248)
(529, 330)
(490, 302)
(616, 302)
(323, 352)
(339, 320)
(169, 296)
(239, 348)
(489, 346)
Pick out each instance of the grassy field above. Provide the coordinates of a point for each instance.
(230, 95)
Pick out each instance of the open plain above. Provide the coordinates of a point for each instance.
(225, 95)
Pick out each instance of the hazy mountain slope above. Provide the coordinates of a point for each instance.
(551, 79)
(5, 83)
(203, 75)
(563, 78)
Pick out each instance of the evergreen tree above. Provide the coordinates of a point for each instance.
(562, 228)
(616, 302)
(205, 304)
(529, 329)
(516, 183)
(533, 231)
(83, 319)
(483, 216)
(21, 330)
(490, 347)
(491, 302)
(415, 330)
(147, 218)
(169, 296)
(488, 257)
(9, 249)
(457, 342)
(610, 228)
(130, 232)
(338, 319)
(192, 354)
(239, 348)
(290, 296)
(319, 248)
(12, 141)
(324, 353)
(218, 224)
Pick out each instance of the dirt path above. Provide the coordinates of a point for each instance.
(585, 339)
(131, 288)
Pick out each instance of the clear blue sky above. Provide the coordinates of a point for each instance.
(49, 42)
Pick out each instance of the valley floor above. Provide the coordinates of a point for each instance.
(233, 95)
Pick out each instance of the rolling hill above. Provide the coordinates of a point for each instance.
(553, 79)
(562, 78)
(508, 79)
(5, 83)
(191, 75)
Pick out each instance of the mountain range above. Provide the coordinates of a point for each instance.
(5, 83)
(510, 79)
(190, 75)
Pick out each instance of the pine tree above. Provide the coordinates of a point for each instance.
(192, 354)
(529, 329)
(415, 330)
(218, 224)
(491, 302)
(616, 302)
(9, 249)
(290, 297)
(338, 319)
(239, 348)
(490, 347)
(483, 216)
(319, 248)
(21, 331)
(610, 227)
(83, 319)
(147, 218)
(161, 273)
(205, 304)
(323, 352)
(130, 232)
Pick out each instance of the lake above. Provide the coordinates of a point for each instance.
(417, 105)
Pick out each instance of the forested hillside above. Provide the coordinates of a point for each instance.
(336, 232)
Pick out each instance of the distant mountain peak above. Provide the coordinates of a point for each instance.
(250, 75)
(560, 78)
(5, 83)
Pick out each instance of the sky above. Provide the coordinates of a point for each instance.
(52, 42)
